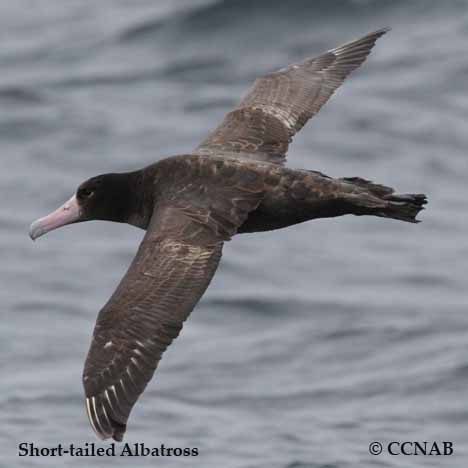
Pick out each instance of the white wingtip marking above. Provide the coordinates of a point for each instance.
(107, 417)
(131, 377)
(102, 431)
(90, 417)
(124, 389)
(135, 363)
(106, 393)
(112, 387)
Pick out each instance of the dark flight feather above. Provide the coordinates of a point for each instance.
(280, 103)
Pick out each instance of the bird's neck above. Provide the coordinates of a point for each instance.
(138, 204)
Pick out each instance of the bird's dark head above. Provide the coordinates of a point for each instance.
(109, 197)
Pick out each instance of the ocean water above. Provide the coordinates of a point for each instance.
(312, 342)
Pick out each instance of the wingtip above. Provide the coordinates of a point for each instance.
(383, 30)
(104, 426)
(368, 41)
(374, 35)
(378, 33)
(119, 433)
(90, 403)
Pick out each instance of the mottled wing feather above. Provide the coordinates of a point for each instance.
(160, 289)
(280, 103)
(172, 269)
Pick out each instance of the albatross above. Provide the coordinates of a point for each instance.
(234, 182)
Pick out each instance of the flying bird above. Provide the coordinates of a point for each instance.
(234, 182)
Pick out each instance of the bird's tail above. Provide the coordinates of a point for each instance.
(379, 200)
(403, 207)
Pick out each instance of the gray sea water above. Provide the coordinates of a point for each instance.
(311, 342)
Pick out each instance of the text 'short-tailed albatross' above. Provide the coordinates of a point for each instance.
(189, 205)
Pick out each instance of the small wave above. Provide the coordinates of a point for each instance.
(186, 69)
(226, 12)
(461, 371)
(27, 128)
(426, 279)
(141, 30)
(222, 13)
(199, 105)
(255, 306)
(17, 94)
(105, 79)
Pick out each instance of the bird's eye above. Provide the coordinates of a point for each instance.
(85, 193)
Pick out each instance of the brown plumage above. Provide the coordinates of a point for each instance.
(234, 182)
(280, 103)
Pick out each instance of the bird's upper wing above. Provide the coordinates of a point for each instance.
(172, 269)
(279, 104)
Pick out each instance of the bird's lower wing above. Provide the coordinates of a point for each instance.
(280, 103)
(172, 269)
(146, 312)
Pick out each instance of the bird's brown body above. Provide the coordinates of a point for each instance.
(234, 182)
(288, 196)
